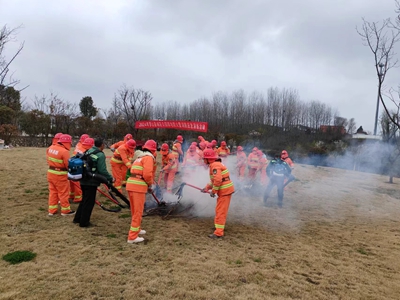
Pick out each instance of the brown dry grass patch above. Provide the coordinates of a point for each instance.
(337, 237)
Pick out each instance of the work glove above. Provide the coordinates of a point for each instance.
(212, 195)
(112, 149)
(151, 188)
(203, 190)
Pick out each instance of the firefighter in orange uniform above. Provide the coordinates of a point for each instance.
(177, 148)
(120, 143)
(220, 185)
(253, 163)
(241, 162)
(140, 182)
(191, 161)
(164, 162)
(201, 139)
(56, 138)
(78, 146)
(285, 157)
(170, 171)
(122, 161)
(57, 176)
(223, 151)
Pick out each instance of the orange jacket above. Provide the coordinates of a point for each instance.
(117, 144)
(57, 160)
(241, 159)
(123, 155)
(172, 163)
(223, 151)
(164, 157)
(192, 159)
(220, 183)
(177, 149)
(142, 173)
(253, 161)
(78, 148)
(263, 162)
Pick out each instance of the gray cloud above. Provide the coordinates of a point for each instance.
(182, 50)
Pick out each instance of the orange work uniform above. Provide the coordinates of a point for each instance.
(142, 176)
(177, 150)
(222, 186)
(253, 165)
(241, 164)
(223, 152)
(57, 177)
(170, 170)
(191, 161)
(120, 163)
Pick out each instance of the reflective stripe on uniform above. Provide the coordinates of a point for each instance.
(135, 229)
(116, 160)
(55, 160)
(66, 208)
(137, 168)
(57, 172)
(134, 181)
(224, 172)
(219, 226)
(53, 206)
(225, 186)
(78, 197)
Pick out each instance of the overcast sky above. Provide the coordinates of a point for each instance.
(185, 49)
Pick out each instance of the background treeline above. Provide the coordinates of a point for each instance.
(273, 120)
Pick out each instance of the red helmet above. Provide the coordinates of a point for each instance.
(164, 147)
(200, 138)
(192, 148)
(223, 143)
(259, 153)
(194, 143)
(255, 149)
(284, 154)
(239, 148)
(128, 137)
(88, 142)
(210, 154)
(179, 138)
(58, 135)
(83, 137)
(65, 138)
(209, 146)
(214, 142)
(202, 145)
(150, 145)
(131, 144)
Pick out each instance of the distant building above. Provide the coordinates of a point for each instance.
(332, 129)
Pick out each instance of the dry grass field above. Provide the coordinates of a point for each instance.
(337, 237)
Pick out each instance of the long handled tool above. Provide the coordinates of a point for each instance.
(179, 192)
(116, 209)
(290, 179)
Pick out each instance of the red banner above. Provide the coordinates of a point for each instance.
(180, 125)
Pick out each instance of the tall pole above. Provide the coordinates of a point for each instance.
(380, 73)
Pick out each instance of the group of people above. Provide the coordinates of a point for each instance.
(137, 171)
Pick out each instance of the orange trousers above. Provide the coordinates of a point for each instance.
(58, 191)
(241, 171)
(119, 173)
(252, 173)
(136, 201)
(75, 191)
(221, 212)
(169, 180)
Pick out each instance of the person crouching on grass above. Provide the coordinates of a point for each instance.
(220, 185)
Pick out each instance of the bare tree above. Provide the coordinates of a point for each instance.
(8, 35)
(134, 104)
(381, 38)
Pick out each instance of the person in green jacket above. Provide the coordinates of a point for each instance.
(89, 186)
